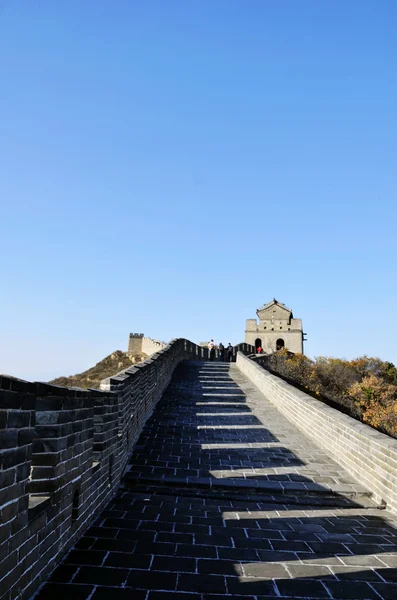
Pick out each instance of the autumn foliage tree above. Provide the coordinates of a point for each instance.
(366, 387)
(377, 400)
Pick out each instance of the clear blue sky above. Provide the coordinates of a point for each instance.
(168, 167)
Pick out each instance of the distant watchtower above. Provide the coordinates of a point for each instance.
(135, 344)
(276, 329)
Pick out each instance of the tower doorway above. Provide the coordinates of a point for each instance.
(258, 343)
(280, 344)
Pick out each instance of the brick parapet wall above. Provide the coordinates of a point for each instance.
(62, 455)
(150, 346)
(140, 387)
(368, 455)
(244, 348)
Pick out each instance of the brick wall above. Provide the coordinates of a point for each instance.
(244, 348)
(62, 454)
(370, 456)
(150, 346)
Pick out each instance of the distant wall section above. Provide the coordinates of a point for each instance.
(150, 346)
(138, 344)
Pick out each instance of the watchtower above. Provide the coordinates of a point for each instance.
(135, 344)
(276, 329)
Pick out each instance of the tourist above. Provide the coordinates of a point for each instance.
(259, 350)
(211, 350)
(230, 352)
(221, 352)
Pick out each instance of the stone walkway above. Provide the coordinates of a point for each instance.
(225, 498)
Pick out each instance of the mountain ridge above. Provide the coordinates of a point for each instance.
(108, 366)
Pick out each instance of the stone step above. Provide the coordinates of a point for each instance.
(250, 496)
(310, 492)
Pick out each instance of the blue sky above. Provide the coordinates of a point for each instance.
(168, 167)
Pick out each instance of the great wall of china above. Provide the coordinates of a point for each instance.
(178, 461)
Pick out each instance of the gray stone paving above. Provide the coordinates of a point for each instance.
(225, 498)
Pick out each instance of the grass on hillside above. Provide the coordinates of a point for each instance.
(112, 364)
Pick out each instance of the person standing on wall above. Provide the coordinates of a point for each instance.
(230, 352)
(211, 350)
(221, 352)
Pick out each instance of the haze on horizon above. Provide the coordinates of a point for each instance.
(169, 167)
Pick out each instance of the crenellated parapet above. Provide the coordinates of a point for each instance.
(62, 455)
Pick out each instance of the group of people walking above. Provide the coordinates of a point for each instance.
(221, 351)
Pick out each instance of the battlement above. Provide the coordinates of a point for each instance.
(62, 455)
(136, 335)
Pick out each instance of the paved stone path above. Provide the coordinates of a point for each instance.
(225, 498)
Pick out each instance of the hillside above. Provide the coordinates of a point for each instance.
(364, 388)
(112, 364)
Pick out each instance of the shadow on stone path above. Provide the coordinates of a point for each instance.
(225, 498)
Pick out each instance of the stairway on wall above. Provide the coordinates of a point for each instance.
(213, 432)
(222, 497)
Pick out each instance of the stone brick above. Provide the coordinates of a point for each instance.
(8, 438)
(18, 419)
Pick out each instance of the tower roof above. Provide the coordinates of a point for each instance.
(272, 303)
